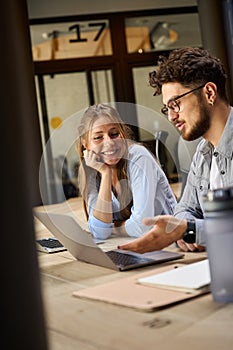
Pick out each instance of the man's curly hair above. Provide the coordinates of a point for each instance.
(190, 67)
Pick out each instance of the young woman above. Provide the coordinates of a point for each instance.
(119, 179)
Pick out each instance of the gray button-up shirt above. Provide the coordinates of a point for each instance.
(198, 182)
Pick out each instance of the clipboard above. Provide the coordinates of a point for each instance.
(128, 292)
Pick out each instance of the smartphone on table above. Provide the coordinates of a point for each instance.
(49, 245)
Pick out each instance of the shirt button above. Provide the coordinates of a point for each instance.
(222, 172)
(215, 154)
(201, 188)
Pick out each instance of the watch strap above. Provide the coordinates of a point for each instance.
(190, 235)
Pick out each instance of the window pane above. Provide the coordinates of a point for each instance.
(154, 33)
(103, 86)
(150, 119)
(70, 40)
(66, 97)
(66, 94)
(144, 97)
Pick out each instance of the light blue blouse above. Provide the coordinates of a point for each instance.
(151, 192)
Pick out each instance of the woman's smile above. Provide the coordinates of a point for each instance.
(111, 156)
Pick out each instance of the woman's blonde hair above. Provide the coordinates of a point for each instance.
(90, 115)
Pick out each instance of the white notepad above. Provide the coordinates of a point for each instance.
(186, 278)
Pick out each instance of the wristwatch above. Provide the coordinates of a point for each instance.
(190, 235)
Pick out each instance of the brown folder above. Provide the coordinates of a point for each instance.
(127, 292)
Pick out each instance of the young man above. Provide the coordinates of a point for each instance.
(192, 83)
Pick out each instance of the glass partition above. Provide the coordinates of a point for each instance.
(70, 40)
(103, 85)
(167, 32)
(153, 122)
(65, 98)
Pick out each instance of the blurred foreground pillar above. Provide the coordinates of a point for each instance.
(21, 307)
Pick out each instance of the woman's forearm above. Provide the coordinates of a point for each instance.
(103, 207)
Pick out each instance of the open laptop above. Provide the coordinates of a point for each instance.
(83, 247)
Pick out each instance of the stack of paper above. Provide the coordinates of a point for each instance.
(188, 278)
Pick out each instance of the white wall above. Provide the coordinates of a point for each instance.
(53, 8)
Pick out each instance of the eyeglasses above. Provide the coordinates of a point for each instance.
(173, 105)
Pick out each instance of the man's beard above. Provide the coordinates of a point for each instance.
(201, 126)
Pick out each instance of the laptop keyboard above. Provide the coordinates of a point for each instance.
(125, 259)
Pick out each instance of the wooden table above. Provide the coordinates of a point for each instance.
(74, 323)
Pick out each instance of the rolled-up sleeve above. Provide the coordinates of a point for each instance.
(190, 204)
(99, 229)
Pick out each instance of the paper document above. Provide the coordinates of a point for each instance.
(186, 278)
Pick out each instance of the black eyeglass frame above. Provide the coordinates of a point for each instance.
(165, 108)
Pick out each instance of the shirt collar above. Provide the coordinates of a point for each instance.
(225, 146)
